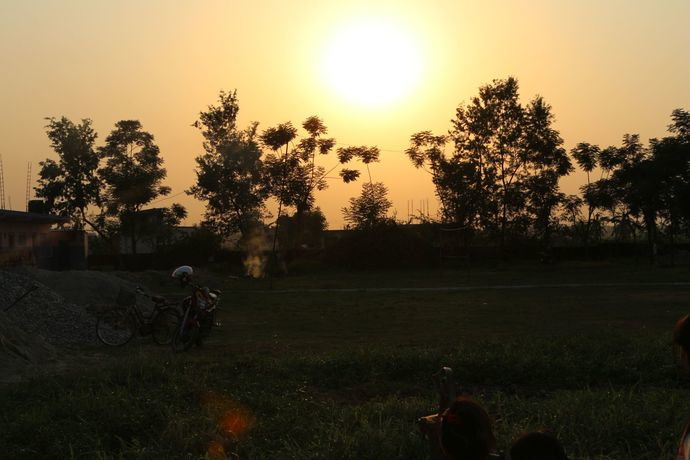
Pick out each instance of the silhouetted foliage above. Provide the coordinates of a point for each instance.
(229, 175)
(132, 175)
(349, 175)
(502, 175)
(306, 233)
(129, 179)
(366, 155)
(201, 244)
(291, 173)
(588, 158)
(370, 208)
(386, 245)
(70, 185)
(642, 187)
(546, 163)
(163, 231)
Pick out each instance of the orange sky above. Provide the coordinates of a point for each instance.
(606, 67)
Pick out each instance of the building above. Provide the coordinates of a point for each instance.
(152, 233)
(29, 238)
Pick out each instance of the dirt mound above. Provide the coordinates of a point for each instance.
(82, 287)
(20, 350)
(54, 314)
(44, 311)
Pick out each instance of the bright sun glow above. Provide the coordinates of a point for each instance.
(372, 64)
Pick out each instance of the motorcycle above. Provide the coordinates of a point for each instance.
(198, 312)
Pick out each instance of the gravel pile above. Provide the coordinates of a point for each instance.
(20, 351)
(82, 287)
(44, 312)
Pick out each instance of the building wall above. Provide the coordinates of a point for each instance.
(19, 241)
(150, 244)
(35, 244)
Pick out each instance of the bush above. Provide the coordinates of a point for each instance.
(387, 245)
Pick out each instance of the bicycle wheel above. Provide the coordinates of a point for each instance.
(116, 327)
(164, 326)
(185, 334)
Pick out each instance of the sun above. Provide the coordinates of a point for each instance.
(372, 63)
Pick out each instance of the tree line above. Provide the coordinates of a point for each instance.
(496, 173)
(117, 179)
(106, 188)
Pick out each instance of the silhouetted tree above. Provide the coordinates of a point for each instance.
(672, 157)
(229, 175)
(459, 185)
(162, 231)
(587, 157)
(70, 185)
(366, 155)
(610, 191)
(306, 233)
(505, 156)
(665, 175)
(680, 125)
(488, 133)
(132, 174)
(547, 162)
(649, 186)
(291, 174)
(370, 208)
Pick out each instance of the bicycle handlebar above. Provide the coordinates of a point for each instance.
(198, 287)
(155, 298)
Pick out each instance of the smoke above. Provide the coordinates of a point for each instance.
(255, 246)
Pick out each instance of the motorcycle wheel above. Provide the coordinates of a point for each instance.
(164, 326)
(185, 336)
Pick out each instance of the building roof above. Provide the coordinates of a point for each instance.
(7, 215)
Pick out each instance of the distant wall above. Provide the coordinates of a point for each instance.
(35, 245)
(65, 250)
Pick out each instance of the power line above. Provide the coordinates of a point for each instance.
(168, 197)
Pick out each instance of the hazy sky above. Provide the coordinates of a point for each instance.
(607, 68)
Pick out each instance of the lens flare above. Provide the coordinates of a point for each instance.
(216, 450)
(233, 419)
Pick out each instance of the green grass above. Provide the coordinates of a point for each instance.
(623, 271)
(607, 398)
(344, 375)
(337, 320)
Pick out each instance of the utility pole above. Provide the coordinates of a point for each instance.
(2, 186)
(28, 185)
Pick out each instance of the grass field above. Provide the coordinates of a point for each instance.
(303, 371)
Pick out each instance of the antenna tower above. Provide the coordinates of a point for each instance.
(28, 185)
(2, 186)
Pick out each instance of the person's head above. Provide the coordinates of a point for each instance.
(681, 339)
(466, 432)
(538, 445)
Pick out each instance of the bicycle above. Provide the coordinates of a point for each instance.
(117, 326)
